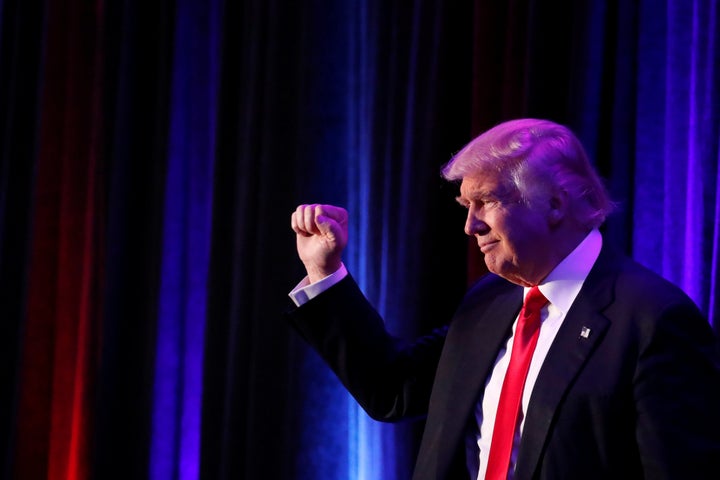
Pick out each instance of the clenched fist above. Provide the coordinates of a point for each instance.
(322, 234)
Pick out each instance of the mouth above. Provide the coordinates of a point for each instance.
(485, 246)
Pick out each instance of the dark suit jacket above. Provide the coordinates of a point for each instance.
(637, 397)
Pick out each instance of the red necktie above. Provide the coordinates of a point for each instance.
(526, 336)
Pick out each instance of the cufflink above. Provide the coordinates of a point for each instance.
(585, 332)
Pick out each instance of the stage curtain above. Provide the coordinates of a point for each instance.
(151, 154)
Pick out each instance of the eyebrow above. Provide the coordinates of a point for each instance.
(461, 200)
(479, 194)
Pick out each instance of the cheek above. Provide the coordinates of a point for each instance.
(527, 240)
(518, 238)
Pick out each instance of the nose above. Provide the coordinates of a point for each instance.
(474, 225)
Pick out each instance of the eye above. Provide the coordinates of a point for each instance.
(486, 202)
(463, 203)
(479, 203)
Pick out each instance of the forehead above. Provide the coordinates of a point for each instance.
(484, 185)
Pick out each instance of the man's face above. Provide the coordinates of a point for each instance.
(513, 236)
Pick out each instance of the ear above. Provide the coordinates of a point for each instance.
(559, 205)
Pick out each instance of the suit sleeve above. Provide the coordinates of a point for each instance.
(390, 378)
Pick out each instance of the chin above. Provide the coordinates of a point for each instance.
(492, 269)
(509, 274)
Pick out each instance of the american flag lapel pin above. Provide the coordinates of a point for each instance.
(585, 332)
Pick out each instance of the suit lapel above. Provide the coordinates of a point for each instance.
(581, 330)
(480, 337)
(473, 341)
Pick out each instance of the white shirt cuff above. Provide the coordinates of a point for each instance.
(305, 291)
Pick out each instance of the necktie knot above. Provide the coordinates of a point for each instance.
(534, 300)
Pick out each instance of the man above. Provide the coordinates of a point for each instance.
(623, 379)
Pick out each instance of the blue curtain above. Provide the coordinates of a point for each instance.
(177, 393)
(676, 201)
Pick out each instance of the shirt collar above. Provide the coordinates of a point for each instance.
(564, 282)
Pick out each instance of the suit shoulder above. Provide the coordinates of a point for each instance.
(632, 283)
(640, 282)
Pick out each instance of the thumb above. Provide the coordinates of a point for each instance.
(331, 223)
(325, 224)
